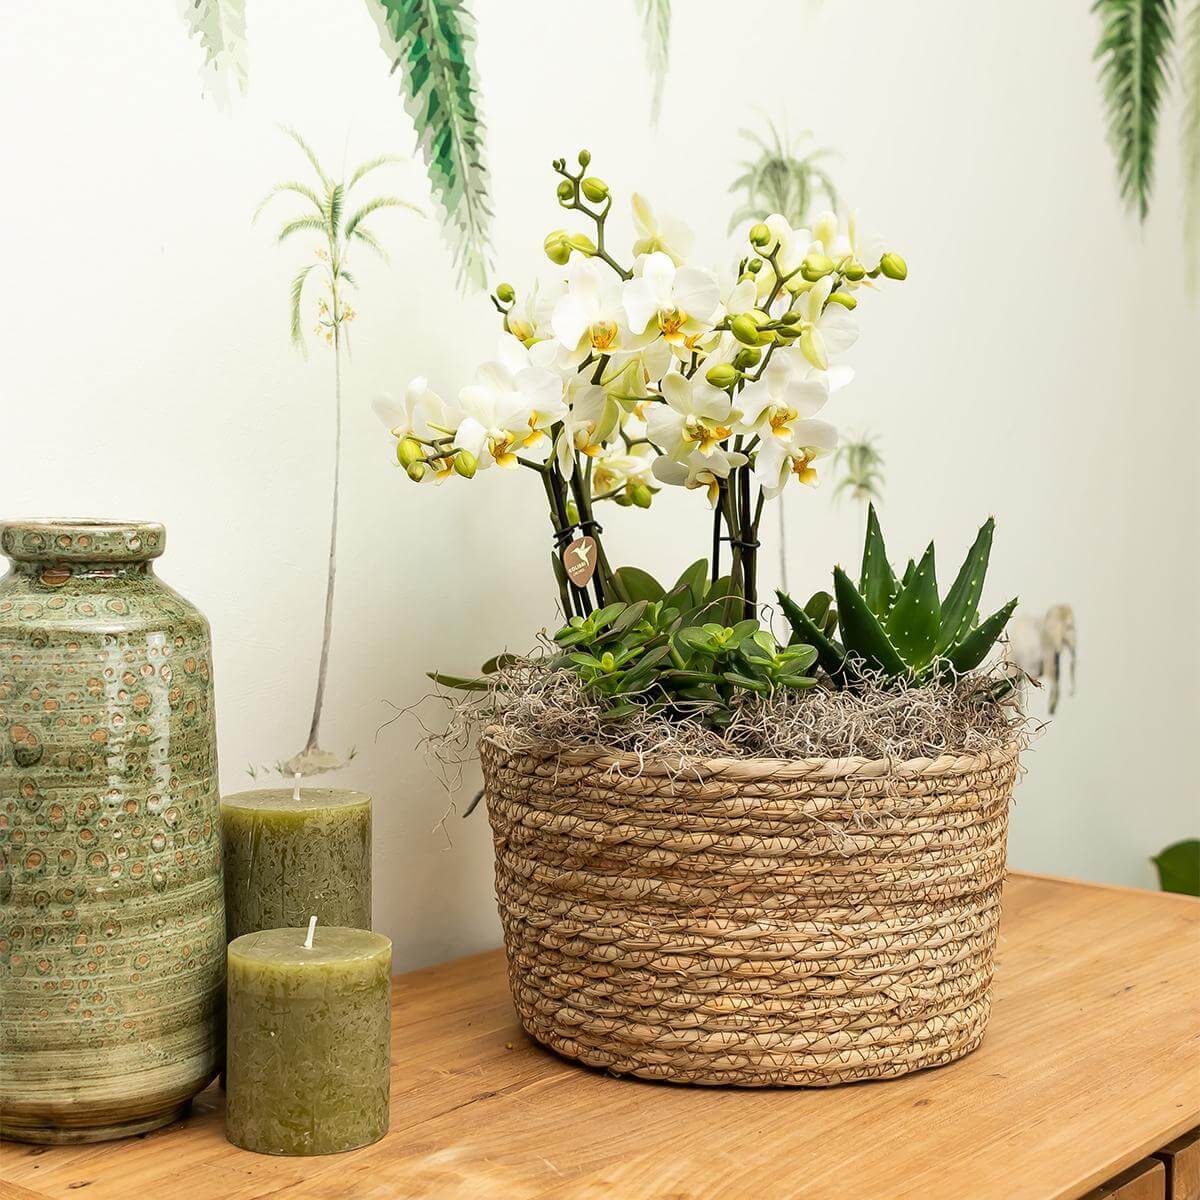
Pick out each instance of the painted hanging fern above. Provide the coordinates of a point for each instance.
(1189, 132)
(656, 29)
(1134, 55)
(429, 44)
(220, 28)
(779, 179)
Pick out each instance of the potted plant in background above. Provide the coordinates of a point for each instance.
(723, 855)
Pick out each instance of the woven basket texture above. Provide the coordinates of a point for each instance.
(750, 921)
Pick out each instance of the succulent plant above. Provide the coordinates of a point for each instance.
(899, 627)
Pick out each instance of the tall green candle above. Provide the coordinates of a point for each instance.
(309, 1019)
(291, 853)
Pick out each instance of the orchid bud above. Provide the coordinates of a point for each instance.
(585, 157)
(854, 271)
(623, 499)
(465, 464)
(760, 235)
(791, 317)
(744, 359)
(893, 266)
(596, 190)
(505, 293)
(754, 266)
(565, 192)
(745, 330)
(640, 494)
(843, 298)
(408, 450)
(816, 266)
(722, 376)
(572, 512)
(582, 243)
(558, 249)
(416, 471)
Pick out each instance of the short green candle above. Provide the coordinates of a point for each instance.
(290, 853)
(309, 1027)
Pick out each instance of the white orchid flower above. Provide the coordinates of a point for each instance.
(518, 371)
(824, 330)
(698, 470)
(528, 320)
(614, 468)
(407, 417)
(777, 459)
(666, 234)
(789, 247)
(676, 303)
(589, 316)
(773, 406)
(592, 418)
(695, 416)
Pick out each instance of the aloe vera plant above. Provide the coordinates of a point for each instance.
(899, 626)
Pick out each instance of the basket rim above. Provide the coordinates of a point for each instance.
(746, 769)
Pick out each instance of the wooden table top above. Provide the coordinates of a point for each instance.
(1091, 1061)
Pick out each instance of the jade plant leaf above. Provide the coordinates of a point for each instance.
(639, 584)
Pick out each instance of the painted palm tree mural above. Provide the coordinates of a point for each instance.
(429, 47)
(337, 221)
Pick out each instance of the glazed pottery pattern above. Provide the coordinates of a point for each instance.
(112, 937)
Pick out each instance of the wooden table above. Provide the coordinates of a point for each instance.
(1091, 1064)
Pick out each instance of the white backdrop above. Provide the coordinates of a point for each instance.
(1040, 364)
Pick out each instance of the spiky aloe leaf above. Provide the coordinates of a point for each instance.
(220, 28)
(862, 634)
(429, 42)
(973, 648)
(656, 29)
(1134, 53)
(962, 600)
(1189, 136)
(806, 631)
(916, 617)
(877, 582)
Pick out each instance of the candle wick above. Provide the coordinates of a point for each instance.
(312, 928)
(296, 787)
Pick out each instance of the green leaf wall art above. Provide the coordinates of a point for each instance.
(220, 28)
(429, 43)
(656, 29)
(1143, 45)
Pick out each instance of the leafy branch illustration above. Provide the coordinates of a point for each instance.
(219, 26)
(1138, 44)
(656, 30)
(338, 226)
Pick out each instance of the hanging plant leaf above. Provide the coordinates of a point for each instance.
(656, 29)
(220, 28)
(1134, 56)
(1179, 867)
(1189, 136)
(429, 43)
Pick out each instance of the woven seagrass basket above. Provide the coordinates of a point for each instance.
(750, 921)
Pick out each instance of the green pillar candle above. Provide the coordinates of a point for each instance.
(290, 853)
(309, 1032)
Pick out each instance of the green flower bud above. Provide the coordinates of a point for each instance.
(722, 376)
(572, 512)
(843, 298)
(596, 190)
(607, 662)
(505, 293)
(582, 243)
(791, 317)
(744, 359)
(624, 499)
(465, 464)
(816, 266)
(566, 191)
(408, 450)
(416, 471)
(754, 266)
(745, 330)
(640, 494)
(585, 157)
(854, 271)
(558, 249)
(893, 266)
(760, 235)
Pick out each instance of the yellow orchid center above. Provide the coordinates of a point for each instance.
(804, 471)
(706, 435)
(501, 447)
(603, 335)
(781, 422)
(671, 322)
(535, 436)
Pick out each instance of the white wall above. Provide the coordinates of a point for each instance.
(1040, 364)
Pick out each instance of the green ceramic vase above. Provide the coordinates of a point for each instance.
(112, 928)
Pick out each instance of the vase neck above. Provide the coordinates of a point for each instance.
(55, 571)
